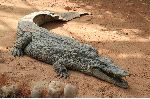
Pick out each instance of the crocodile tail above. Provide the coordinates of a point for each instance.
(32, 21)
(42, 17)
(67, 16)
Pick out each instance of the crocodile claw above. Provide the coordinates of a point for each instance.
(63, 73)
(17, 52)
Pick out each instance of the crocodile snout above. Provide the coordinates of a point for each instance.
(112, 68)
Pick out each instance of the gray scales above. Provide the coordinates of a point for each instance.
(63, 52)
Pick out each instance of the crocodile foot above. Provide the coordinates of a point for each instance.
(62, 72)
(16, 51)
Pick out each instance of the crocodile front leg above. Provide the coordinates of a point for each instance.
(20, 44)
(59, 67)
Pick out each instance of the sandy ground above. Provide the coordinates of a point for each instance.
(119, 29)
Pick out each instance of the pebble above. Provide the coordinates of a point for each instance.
(56, 89)
(38, 90)
(11, 91)
(70, 91)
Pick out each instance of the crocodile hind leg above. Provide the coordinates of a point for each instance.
(20, 44)
(59, 67)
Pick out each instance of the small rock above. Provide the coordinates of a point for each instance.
(36, 93)
(11, 91)
(39, 90)
(56, 89)
(70, 91)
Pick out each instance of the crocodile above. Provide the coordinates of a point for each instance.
(62, 52)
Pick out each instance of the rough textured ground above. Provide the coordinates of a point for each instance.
(119, 29)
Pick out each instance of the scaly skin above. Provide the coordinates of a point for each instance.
(63, 52)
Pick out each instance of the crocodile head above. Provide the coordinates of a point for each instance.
(103, 68)
(106, 70)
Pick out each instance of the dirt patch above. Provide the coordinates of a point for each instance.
(118, 29)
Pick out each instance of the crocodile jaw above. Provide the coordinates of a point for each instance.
(113, 69)
(110, 77)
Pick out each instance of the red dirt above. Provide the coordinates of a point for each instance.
(117, 28)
